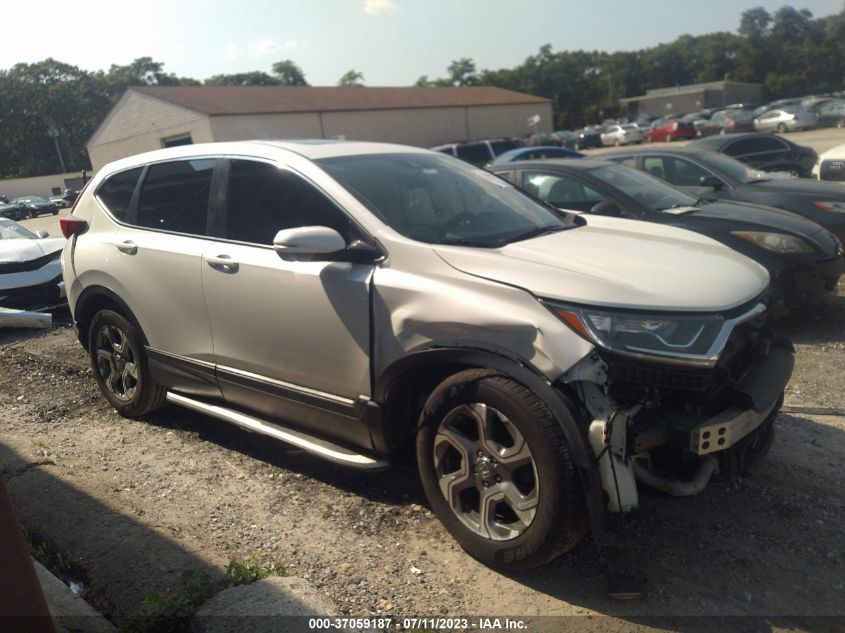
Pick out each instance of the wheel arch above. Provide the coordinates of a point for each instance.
(404, 385)
(96, 298)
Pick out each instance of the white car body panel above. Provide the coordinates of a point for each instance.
(834, 153)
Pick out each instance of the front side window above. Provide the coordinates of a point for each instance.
(175, 195)
(434, 199)
(116, 191)
(263, 199)
(677, 171)
(562, 191)
(646, 189)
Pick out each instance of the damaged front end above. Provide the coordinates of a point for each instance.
(674, 399)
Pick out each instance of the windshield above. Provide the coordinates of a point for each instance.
(732, 168)
(12, 231)
(439, 200)
(650, 191)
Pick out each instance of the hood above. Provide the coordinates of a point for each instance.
(620, 263)
(23, 250)
(767, 218)
(803, 186)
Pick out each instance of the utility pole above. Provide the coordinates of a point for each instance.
(53, 133)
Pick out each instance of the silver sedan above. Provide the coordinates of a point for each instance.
(786, 120)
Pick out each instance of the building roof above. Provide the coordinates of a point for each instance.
(223, 100)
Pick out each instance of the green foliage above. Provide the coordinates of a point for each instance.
(246, 572)
(351, 78)
(172, 612)
(254, 78)
(289, 73)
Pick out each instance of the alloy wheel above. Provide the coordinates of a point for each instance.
(486, 471)
(116, 362)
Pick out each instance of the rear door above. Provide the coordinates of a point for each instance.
(150, 256)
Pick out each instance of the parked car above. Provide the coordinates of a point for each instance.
(727, 122)
(832, 114)
(790, 119)
(669, 129)
(535, 153)
(703, 173)
(697, 120)
(621, 135)
(12, 211)
(802, 258)
(34, 206)
(763, 151)
(361, 296)
(479, 152)
(779, 103)
(831, 167)
(584, 139)
(59, 201)
(30, 270)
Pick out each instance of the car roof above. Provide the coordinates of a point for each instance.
(313, 149)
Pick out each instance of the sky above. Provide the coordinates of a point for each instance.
(392, 42)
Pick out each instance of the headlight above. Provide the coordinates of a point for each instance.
(776, 242)
(833, 206)
(689, 337)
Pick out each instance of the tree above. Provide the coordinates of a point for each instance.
(289, 73)
(254, 78)
(462, 72)
(351, 78)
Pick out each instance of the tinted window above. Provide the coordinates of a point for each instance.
(754, 145)
(646, 189)
(499, 147)
(263, 199)
(475, 153)
(681, 173)
(116, 192)
(174, 196)
(561, 191)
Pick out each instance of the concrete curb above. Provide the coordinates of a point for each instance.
(69, 611)
(271, 605)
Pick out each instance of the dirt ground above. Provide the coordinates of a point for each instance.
(136, 502)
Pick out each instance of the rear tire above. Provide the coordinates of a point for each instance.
(120, 366)
(668, 138)
(497, 471)
(782, 128)
(840, 123)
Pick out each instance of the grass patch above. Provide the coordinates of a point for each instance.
(172, 612)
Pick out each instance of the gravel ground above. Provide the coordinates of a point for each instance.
(136, 502)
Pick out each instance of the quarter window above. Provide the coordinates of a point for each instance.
(174, 196)
(263, 199)
(116, 192)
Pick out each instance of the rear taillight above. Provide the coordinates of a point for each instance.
(730, 123)
(72, 226)
(675, 125)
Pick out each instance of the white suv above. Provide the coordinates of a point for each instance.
(350, 297)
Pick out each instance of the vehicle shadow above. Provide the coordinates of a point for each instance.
(818, 320)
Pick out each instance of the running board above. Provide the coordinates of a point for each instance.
(319, 447)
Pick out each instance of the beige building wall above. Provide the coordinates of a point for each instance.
(140, 123)
(423, 127)
(38, 185)
(243, 127)
(507, 120)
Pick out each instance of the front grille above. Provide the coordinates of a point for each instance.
(832, 170)
(32, 297)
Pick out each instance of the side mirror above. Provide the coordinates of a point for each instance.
(42, 234)
(607, 208)
(305, 241)
(712, 182)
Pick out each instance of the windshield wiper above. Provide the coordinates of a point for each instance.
(540, 230)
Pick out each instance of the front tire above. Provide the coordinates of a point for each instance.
(120, 366)
(496, 469)
(782, 128)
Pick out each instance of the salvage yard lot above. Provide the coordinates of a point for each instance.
(135, 503)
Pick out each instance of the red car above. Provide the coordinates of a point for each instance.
(669, 128)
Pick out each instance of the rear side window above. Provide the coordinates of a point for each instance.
(174, 196)
(116, 192)
(263, 200)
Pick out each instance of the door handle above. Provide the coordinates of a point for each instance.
(129, 247)
(223, 263)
